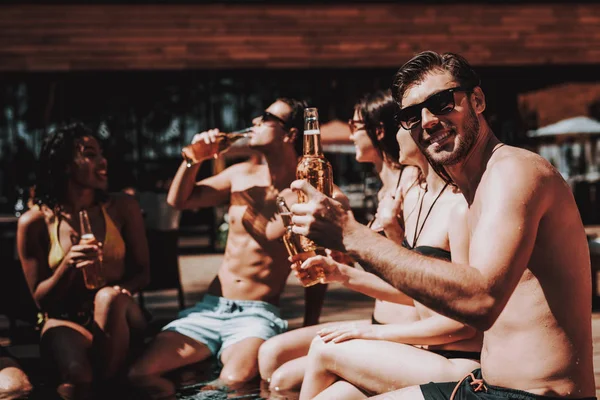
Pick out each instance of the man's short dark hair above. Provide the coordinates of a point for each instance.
(295, 119)
(415, 70)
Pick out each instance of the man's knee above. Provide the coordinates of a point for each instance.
(142, 368)
(238, 375)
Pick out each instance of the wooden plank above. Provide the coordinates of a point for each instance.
(74, 37)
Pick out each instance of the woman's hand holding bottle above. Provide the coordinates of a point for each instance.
(83, 255)
(332, 269)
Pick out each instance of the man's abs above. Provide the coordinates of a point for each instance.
(538, 346)
(249, 273)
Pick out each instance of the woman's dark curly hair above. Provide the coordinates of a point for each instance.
(57, 153)
(378, 110)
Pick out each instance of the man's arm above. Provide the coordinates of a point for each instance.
(500, 248)
(501, 245)
(355, 279)
(313, 303)
(185, 193)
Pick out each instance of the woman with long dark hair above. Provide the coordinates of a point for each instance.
(282, 358)
(352, 362)
(85, 333)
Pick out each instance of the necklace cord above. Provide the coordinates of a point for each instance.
(417, 235)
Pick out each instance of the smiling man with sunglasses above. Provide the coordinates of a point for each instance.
(240, 310)
(527, 281)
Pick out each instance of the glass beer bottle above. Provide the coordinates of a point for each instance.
(199, 151)
(93, 276)
(310, 276)
(313, 167)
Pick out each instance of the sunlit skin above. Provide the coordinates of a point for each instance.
(365, 151)
(526, 282)
(380, 358)
(255, 264)
(387, 211)
(14, 383)
(89, 169)
(74, 348)
(282, 359)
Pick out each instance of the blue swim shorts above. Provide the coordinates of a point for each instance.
(219, 322)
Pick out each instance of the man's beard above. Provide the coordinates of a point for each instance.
(470, 129)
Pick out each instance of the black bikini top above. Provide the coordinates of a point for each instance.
(429, 251)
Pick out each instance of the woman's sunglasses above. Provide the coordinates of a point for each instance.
(355, 124)
(439, 104)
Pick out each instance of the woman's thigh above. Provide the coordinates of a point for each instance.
(379, 366)
(295, 343)
(67, 345)
(111, 304)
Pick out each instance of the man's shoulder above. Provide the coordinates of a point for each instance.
(520, 165)
(522, 175)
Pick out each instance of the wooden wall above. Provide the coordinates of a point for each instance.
(132, 37)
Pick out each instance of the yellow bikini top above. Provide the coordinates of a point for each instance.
(113, 248)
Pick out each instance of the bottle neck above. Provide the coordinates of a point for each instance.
(312, 139)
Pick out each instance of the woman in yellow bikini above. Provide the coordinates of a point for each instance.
(85, 333)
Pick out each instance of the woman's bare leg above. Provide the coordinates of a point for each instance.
(168, 351)
(280, 349)
(66, 345)
(341, 390)
(289, 376)
(116, 315)
(377, 366)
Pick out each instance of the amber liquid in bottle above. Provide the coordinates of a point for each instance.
(307, 277)
(199, 151)
(93, 276)
(315, 169)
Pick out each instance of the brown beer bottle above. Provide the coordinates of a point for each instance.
(310, 276)
(200, 151)
(93, 276)
(313, 167)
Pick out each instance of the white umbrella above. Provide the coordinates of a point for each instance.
(569, 126)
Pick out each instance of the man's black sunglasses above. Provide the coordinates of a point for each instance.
(267, 116)
(439, 104)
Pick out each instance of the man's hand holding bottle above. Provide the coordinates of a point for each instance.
(210, 144)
